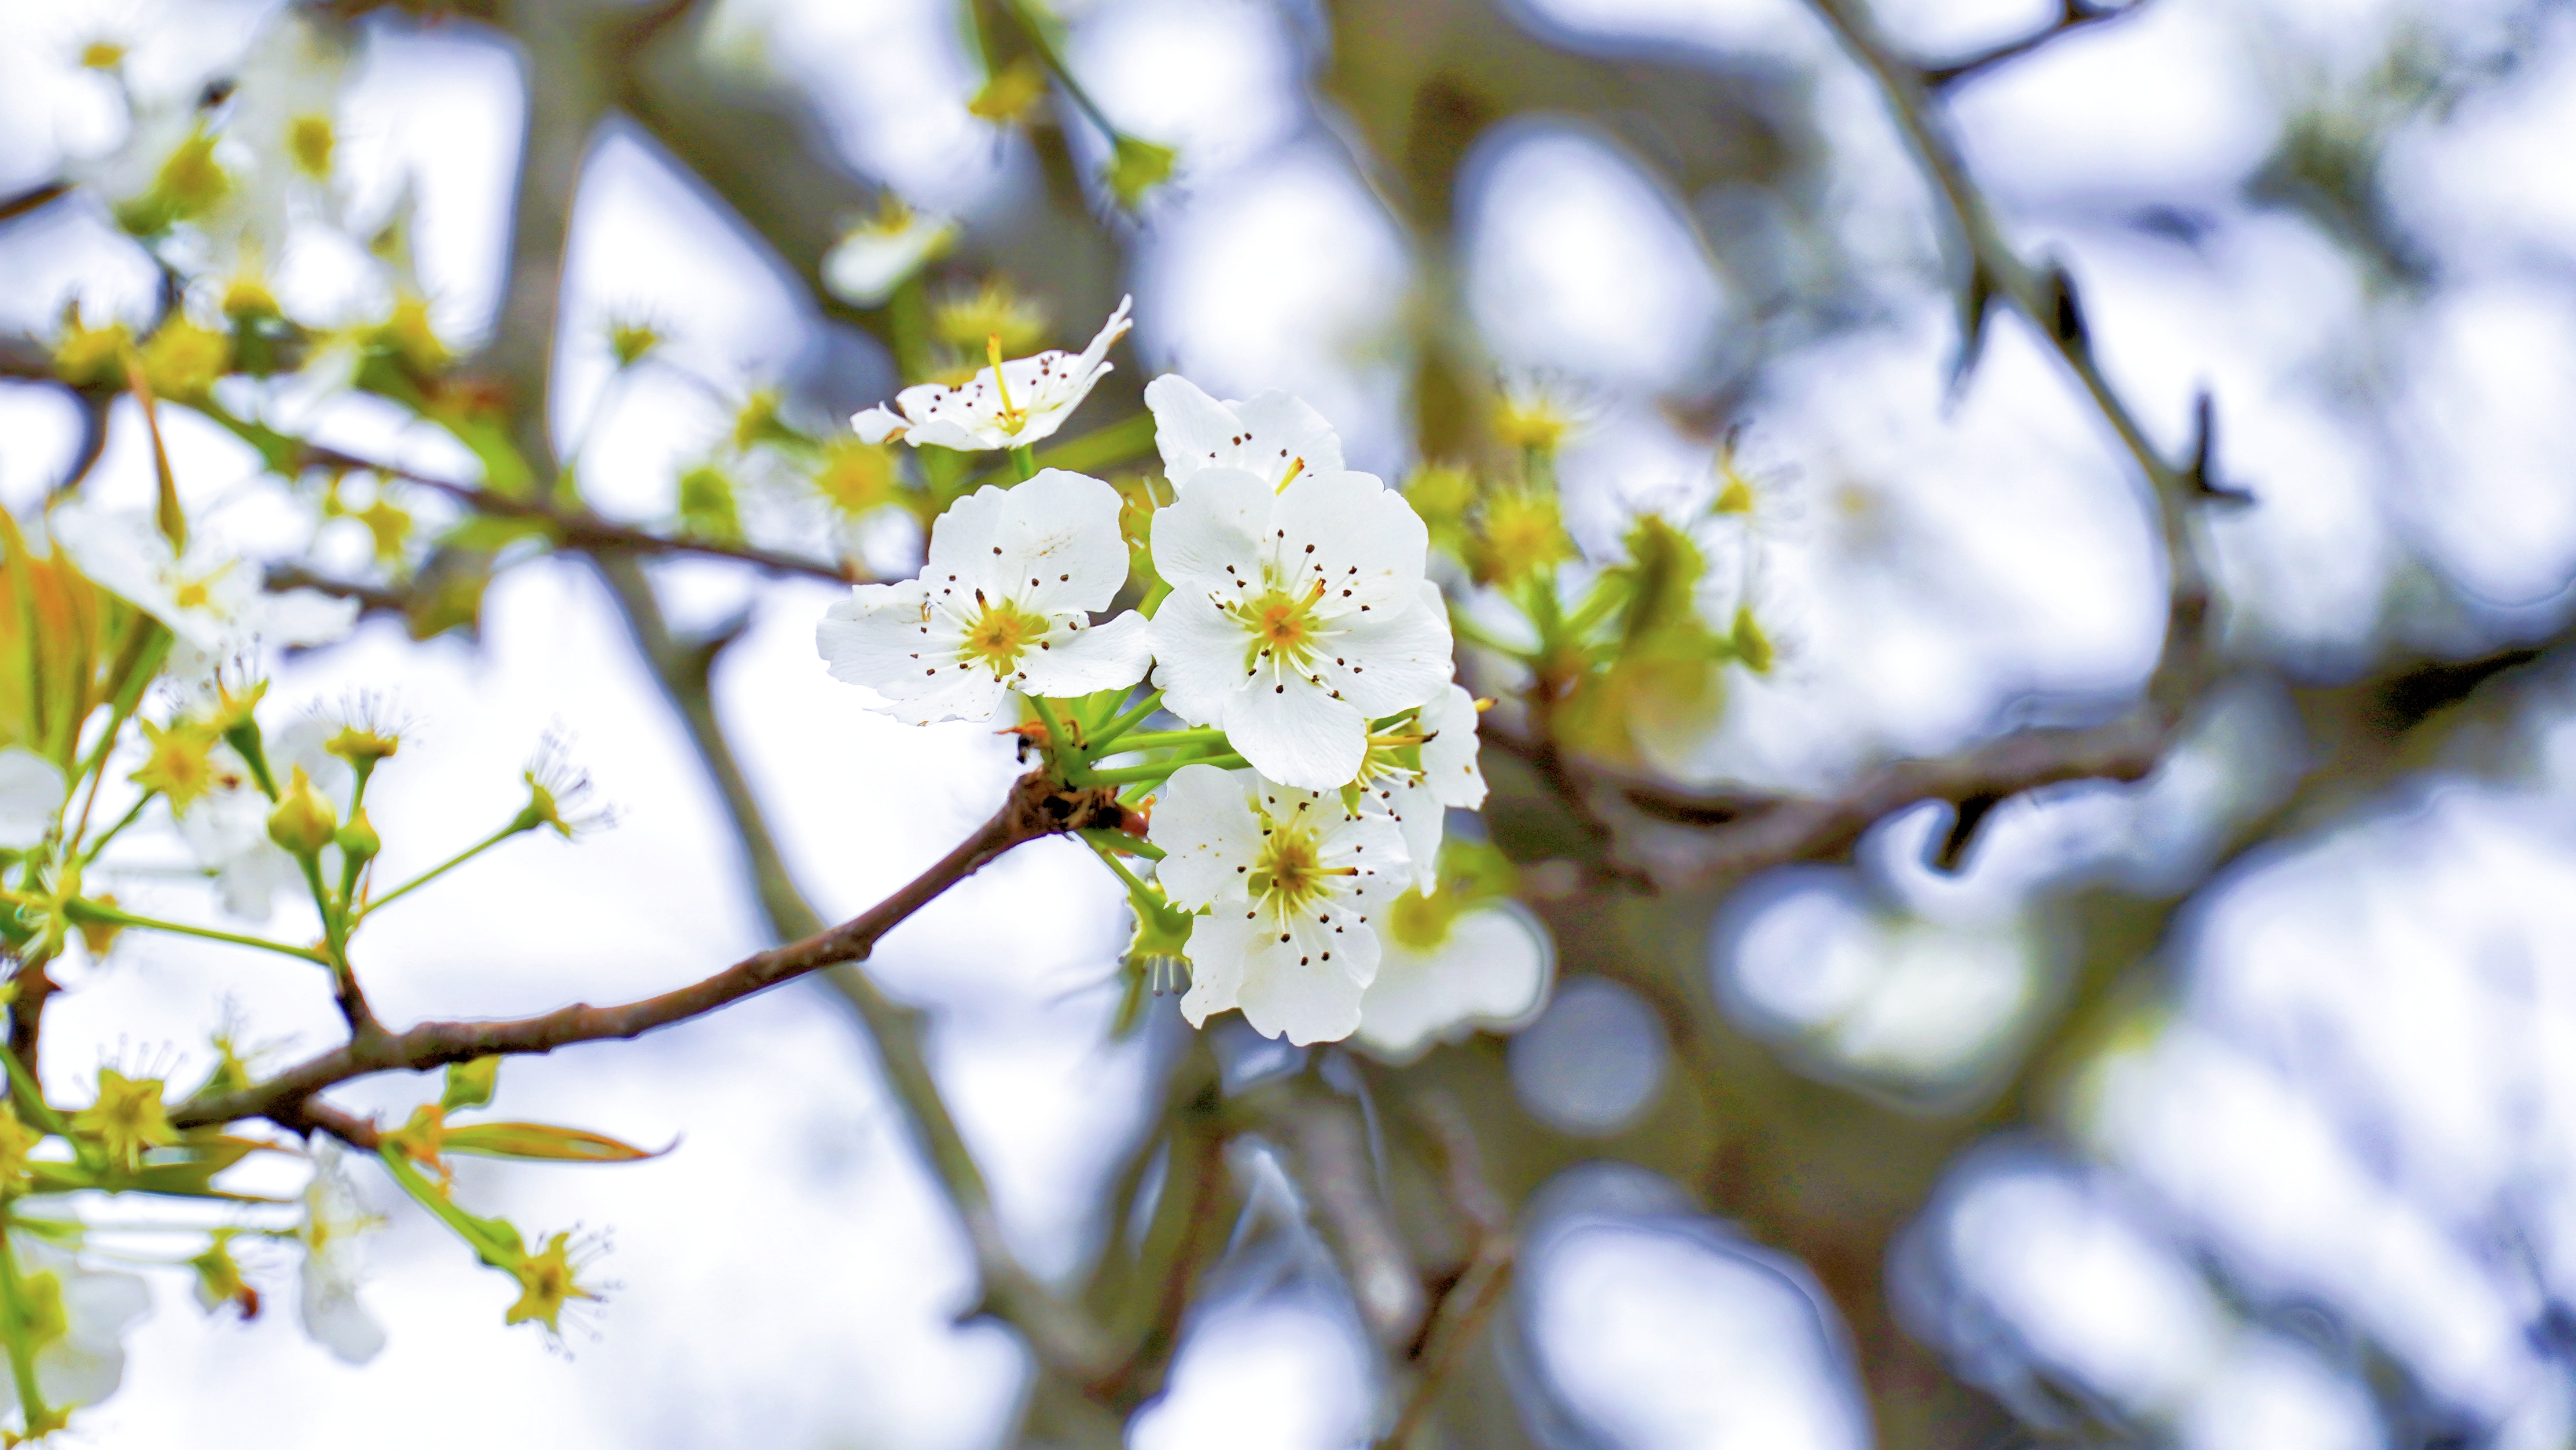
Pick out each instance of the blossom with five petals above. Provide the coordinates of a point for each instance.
(1416, 787)
(1296, 616)
(1290, 878)
(1005, 405)
(1004, 603)
(1272, 435)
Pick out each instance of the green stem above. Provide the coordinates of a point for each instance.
(1120, 725)
(335, 922)
(1136, 889)
(1031, 27)
(441, 869)
(1162, 770)
(1102, 448)
(22, 1355)
(1102, 840)
(908, 313)
(31, 1098)
(92, 911)
(129, 818)
(1596, 606)
(478, 1233)
(1160, 739)
(1060, 744)
(1024, 463)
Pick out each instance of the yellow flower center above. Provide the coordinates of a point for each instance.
(309, 139)
(1289, 875)
(1001, 634)
(1282, 625)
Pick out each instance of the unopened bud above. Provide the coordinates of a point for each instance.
(358, 841)
(304, 821)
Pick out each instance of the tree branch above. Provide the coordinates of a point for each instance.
(578, 527)
(1035, 807)
(2073, 15)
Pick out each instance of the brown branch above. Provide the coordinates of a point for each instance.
(1744, 834)
(1035, 807)
(579, 528)
(34, 198)
(2073, 15)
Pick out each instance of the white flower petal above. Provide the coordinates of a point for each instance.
(1307, 988)
(869, 262)
(1204, 824)
(1493, 972)
(1266, 435)
(1102, 657)
(1198, 657)
(32, 791)
(1060, 535)
(1295, 733)
(304, 618)
(872, 637)
(878, 425)
(1217, 525)
(1449, 764)
(1391, 659)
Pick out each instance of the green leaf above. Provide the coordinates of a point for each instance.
(469, 1084)
(542, 1143)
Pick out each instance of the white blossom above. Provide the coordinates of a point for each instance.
(1290, 879)
(334, 1220)
(1270, 435)
(210, 598)
(876, 256)
(1489, 967)
(1418, 799)
(1003, 406)
(1004, 603)
(1296, 617)
(32, 791)
(88, 1312)
(285, 132)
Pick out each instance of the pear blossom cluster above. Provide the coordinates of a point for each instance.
(1280, 617)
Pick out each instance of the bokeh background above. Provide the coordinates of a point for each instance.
(2234, 1109)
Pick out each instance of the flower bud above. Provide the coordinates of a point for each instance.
(358, 841)
(304, 821)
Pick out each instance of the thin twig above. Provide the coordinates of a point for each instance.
(1035, 807)
(2072, 15)
(579, 528)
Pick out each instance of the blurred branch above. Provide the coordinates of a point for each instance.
(1459, 1316)
(1326, 1137)
(2045, 296)
(576, 527)
(2073, 15)
(34, 198)
(372, 598)
(1184, 1239)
